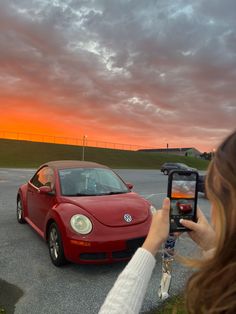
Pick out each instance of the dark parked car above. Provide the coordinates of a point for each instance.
(201, 183)
(168, 166)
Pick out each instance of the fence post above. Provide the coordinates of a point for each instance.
(83, 148)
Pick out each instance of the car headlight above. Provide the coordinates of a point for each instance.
(152, 209)
(81, 224)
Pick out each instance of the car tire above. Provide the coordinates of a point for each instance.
(20, 211)
(55, 246)
(165, 172)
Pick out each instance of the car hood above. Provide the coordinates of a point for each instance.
(110, 209)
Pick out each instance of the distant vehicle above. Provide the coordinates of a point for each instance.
(85, 212)
(184, 206)
(168, 166)
(201, 184)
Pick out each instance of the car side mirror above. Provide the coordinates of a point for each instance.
(45, 189)
(129, 185)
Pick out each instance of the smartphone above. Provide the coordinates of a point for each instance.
(182, 191)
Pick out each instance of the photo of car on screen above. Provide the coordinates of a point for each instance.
(182, 206)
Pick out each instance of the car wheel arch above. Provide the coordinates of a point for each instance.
(20, 209)
(60, 225)
(55, 244)
(49, 222)
(22, 195)
(18, 198)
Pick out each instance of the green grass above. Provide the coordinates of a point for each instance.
(174, 305)
(25, 154)
(2, 311)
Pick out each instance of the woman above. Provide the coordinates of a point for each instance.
(212, 289)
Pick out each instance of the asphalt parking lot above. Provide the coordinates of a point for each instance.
(44, 288)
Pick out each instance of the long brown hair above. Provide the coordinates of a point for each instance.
(212, 289)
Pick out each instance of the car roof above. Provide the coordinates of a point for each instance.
(173, 163)
(65, 164)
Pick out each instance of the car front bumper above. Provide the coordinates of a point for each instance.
(93, 252)
(105, 244)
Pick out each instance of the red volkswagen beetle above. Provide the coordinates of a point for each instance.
(85, 212)
(184, 206)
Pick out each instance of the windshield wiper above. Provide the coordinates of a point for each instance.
(79, 194)
(98, 194)
(84, 194)
(116, 192)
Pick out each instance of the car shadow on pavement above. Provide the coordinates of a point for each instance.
(9, 296)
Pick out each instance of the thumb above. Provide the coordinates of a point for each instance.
(166, 206)
(189, 224)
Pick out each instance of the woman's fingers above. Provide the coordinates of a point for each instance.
(166, 203)
(166, 208)
(189, 224)
(195, 226)
(201, 231)
(159, 228)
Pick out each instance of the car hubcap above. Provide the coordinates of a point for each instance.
(54, 244)
(19, 210)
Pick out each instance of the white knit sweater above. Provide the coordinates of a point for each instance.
(127, 294)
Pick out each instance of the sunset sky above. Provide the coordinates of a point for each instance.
(139, 72)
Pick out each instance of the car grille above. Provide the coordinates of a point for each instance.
(92, 256)
(135, 243)
(131, 247)
(122, 254)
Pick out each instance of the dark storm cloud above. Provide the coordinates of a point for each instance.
(142, 67)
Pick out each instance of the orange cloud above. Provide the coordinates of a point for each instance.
(137, 83)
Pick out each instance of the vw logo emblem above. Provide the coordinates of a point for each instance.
(127, 218)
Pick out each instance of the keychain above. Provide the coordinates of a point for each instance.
(167, 260)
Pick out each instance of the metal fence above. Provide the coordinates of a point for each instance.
(83, 141)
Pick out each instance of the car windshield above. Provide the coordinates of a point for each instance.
(183, 166)
(90, 182)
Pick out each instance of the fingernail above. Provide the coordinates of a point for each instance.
(181, 220)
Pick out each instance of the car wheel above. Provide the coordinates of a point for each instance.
(165, 172)
(56, 250)
(20, 211)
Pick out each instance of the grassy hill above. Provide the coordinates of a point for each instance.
(25, 154)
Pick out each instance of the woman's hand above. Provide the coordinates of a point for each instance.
(159, 229)
(201, 231)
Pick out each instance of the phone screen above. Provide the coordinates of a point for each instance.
(182, 191)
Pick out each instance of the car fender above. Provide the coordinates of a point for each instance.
(54, 216)
(61, 215)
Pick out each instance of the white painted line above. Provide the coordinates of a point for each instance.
(6, 170)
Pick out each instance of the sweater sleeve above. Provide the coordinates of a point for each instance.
(128, 292)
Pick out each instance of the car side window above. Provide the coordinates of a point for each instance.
(44, 176)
